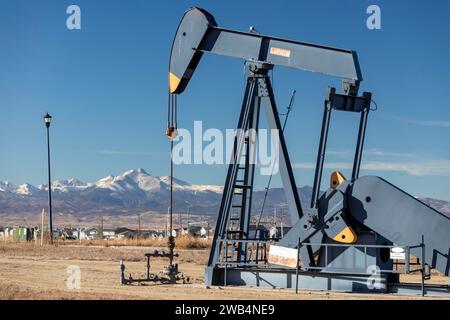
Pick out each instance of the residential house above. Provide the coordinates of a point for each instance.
(70, 234)
(109, 234)
(198, 231)
(125, 233)
(89, 234)
(16, 233)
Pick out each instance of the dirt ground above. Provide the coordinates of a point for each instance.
(32, 272)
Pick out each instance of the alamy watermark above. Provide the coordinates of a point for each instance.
(73, 281)
(374, 280)
(73, 21)
(212, 146)
(373, 22)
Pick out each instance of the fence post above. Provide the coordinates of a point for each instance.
(422, 245)
(408, 257)
(122, 272)
(297, 266)
(148, 267)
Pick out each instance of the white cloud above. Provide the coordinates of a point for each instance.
(382, 153)
(129, 153)
(374, 152)
(328, 165)
(419, 168)
(416, 168)
(427, 123)
(340, 153)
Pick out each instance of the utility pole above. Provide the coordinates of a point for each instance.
(171, 239)
(167, 224)
(139, 227)
(275, 216)
(281, 221)
(188, 222)
(42, 226)
(47, 121)
(101, 228)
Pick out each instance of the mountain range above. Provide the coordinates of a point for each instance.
(136, 191)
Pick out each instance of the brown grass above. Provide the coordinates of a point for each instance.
(183, 242)
(29, 271)
(187, 242)
(73, 250)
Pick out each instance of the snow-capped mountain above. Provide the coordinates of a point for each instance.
(7, 186)
(139, 180)
(70, 183)
(131, 180)
(27, 189)
(135, 191)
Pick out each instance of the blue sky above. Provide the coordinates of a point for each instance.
(106, 87)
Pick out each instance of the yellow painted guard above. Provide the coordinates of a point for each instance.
(336, 179)
(174, 81)
(346, 236)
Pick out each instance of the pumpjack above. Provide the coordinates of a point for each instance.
(353, 232)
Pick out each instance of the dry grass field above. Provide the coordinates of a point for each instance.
(28, 271)
(183, 242)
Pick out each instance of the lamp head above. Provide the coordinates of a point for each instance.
(47, 119)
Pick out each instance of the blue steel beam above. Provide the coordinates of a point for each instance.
(198, 33)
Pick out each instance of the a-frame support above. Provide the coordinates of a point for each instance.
(235, 210)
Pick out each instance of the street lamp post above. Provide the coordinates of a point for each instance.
(47, 121)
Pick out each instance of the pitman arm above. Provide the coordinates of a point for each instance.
(198, 33)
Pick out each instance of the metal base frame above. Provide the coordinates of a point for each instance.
(415, 289)
(286, 279)
(316, 281)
